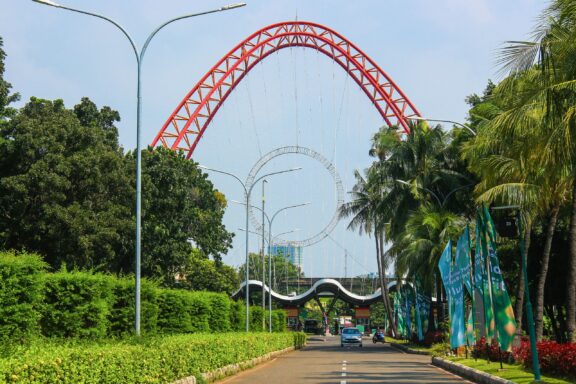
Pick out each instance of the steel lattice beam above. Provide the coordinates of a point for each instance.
(186, 125)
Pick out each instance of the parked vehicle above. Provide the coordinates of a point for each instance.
(351, 335)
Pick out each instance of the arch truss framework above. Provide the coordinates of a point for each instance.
(186, 125)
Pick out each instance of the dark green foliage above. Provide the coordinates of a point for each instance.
(64, 190)
(150, 360)
(122, 311)
(219, 305)
(5, 97)
(67, 193)
(77, 304)
(20, 296)
(203, 274)
(179, 203)
(174, 311)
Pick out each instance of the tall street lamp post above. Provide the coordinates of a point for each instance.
(270, 221)
(247, 192)
(139, 59)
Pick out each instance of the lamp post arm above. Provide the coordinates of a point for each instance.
(225, 173)
(424, 189)
(285, 208)
(253, 206)
(100, 17)
(454, 190)
(145, 46)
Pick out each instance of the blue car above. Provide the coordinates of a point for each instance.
(351, 336)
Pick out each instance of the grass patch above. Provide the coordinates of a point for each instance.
(510, 372)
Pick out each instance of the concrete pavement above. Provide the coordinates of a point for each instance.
(326, 362)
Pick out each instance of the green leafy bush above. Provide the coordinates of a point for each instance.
(219, 312)
(76, 304)
(238, 315)
(256, 315)
(200, 311)
(279, 320)
(122, 310)
(174, 311)
(147, 360)
(20, 296)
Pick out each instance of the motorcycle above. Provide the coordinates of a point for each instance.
(378, 337)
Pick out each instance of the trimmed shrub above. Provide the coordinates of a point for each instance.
(238, 315)
(256, 315)
(148, 360)
(219, 312)
(279, 320)
(122, 311)
(21, 295)
(174, 311)
(200, 311)
(77, 304)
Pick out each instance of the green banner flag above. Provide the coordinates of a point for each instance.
(470, 328)
(463, 259)
(481, 263)
(504, 315)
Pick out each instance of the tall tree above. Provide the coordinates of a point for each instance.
(180, 208)
(6, 98)
(553, 53)
(64, 191)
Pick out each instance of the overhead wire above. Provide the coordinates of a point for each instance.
(252, 115)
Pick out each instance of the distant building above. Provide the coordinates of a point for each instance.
(290, 252)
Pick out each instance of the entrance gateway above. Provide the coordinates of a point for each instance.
(186, 125)
(322, 288)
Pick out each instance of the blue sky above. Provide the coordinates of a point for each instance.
(437, 52)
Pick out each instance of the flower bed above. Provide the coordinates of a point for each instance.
(555, 358)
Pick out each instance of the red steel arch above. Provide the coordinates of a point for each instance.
(186, 125)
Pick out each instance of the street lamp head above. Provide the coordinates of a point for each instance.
(232, 6)
(47, 2)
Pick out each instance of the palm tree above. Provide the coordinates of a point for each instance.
(552, 53)
(363, 208)
(506, 153)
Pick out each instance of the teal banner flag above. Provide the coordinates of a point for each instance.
(503, 313)
(463, 259)
(456, 300)
(444, 265)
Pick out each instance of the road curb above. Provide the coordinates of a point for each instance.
(468, 373)
(408, 350)
(232, 369)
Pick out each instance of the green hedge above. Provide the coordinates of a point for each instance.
(148, 360)
(122, 311)
(21, 288)
(76, 304)
(238, 315)
(92, 305)
(219, 305)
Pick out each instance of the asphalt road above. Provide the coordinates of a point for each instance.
(326, 362)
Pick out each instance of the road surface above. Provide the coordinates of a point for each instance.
(326, 362)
